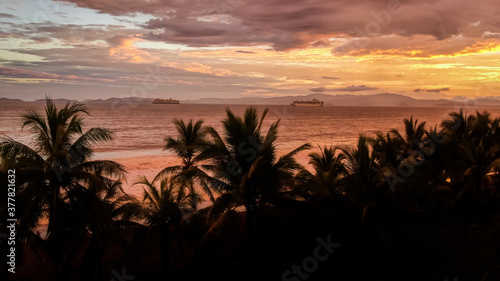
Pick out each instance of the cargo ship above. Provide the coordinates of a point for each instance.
(313, 102)
(165, 101)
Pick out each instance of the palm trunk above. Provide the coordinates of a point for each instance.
(53, 224)
(61, 268)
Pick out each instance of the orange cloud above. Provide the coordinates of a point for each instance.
(477, 48)
(416, 47)
(200, 68)
(123, 48)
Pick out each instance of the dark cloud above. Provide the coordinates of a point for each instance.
(439, 90)
(318, 90)
(294, 24)
(195, 33)
(352, 88)
(40, 39)
(4, 15)
(245, 52)
(329, 77)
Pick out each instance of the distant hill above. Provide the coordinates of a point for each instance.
(384, 99)
(56, 100)
(10, 100)
(111, 100)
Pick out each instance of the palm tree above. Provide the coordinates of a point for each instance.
(460, 126)
(57, 179)
(414, 132)
(473, 153)
(324, 183)
(161, 208)
(388, 149)
(189, 142)
(479, 161)
(244, 164)
(410, 162)
(364, 180)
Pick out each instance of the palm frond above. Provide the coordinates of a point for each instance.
(223, 203)
(82, 147)
(103, 168)
(14, 153)
(167, 172)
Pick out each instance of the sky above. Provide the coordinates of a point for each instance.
(191, 49)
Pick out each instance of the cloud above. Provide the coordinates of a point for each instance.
(200, 68)
(490, 35)
(439, 90)
(25, 73)
(69, 33)
(95, 61)
(261, 92)
(414, 46)
(4, 15)
(318, 90)
(352, 88)
(461, 98)
(296, 24)
(41, 39)
(192, 32)
(123, 48)
(310, 35)
(321, 43)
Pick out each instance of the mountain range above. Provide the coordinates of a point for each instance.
(383, 99)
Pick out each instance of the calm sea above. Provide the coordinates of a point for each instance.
(139, 129)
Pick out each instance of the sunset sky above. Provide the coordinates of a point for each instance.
(189, 49)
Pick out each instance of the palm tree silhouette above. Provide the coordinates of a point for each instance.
(474, 153)
(414, 132)
(160, 206)
(246, 169)
(364, 179)
(187, 176)
(160, 209)
(57, 179)
(459, 126)
(324, 183)
(388, 149)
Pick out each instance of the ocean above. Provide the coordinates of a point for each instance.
(139, 129)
